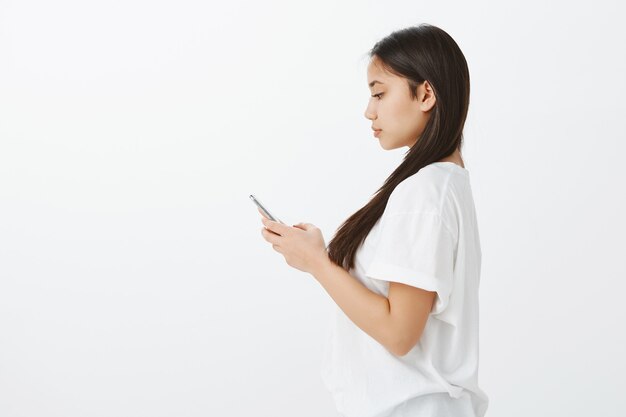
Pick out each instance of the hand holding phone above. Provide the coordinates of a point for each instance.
(264, 210)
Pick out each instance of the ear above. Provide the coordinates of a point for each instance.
(426, 96)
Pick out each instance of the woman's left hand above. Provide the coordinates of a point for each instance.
(302, 246)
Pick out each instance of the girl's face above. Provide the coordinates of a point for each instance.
(391, 109)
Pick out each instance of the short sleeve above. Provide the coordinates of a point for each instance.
(417, 249)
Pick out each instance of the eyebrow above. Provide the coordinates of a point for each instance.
(374, 82)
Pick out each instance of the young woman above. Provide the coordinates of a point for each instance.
(404, 270)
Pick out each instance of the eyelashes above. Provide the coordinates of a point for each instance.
(377, 95)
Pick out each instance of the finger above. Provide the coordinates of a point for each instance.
(262, 214)
(269, 236)
(275, 227)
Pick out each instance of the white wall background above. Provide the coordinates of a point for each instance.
(134, 280)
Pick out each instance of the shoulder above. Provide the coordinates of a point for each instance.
(423, 191)
(429, 191)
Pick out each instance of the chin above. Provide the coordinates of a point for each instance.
(389, 147)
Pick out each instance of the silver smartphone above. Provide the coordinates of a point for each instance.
(263, 209)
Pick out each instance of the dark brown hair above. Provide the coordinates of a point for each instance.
(417, 53)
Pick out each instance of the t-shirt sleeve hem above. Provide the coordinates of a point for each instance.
(394, 273)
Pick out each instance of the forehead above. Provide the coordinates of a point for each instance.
(376, 73)
(374, 67)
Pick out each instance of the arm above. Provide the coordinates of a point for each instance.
(396, 322)
(410, 307)
(368, 310)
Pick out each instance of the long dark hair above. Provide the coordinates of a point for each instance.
(417, 53)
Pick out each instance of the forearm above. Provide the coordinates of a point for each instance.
(367, 309)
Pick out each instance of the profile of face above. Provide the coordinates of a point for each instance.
(400, 118)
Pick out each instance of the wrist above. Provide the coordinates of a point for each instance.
(321, 266)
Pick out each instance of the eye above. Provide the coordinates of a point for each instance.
(377, 95)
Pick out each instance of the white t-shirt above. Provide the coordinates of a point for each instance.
(427, 237)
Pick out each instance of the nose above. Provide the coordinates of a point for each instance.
(369, 114)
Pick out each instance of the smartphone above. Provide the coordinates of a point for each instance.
(263, 209)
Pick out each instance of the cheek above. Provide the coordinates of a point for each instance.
(409, 116)
(393, 116)
(406, 110)
(388, 111)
